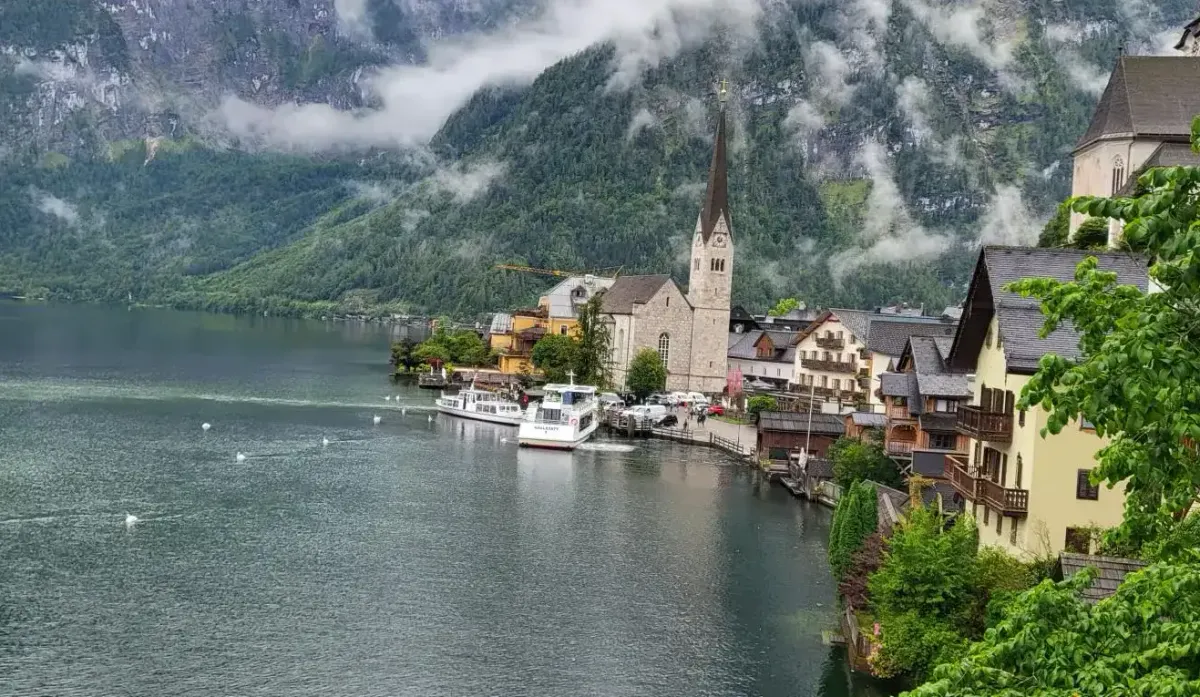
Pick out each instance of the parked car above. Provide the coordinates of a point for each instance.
(696, 398)
(716, 410)
(610, 400)
(653, 412)
(680, 399)
(659, 398)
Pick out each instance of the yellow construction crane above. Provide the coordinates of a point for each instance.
(558, 273)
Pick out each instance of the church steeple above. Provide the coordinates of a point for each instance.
(716, 197)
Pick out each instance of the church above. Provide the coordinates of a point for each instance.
(689, 331)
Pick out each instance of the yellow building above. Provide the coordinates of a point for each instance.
(557, 312)
(1029, 494)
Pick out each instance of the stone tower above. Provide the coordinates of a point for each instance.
(711, 272)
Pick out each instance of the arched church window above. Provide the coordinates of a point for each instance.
(664, 347)
(1118, 174)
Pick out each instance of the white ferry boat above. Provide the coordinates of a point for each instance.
(480, 405)
(565, 418)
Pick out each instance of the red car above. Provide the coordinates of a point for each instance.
(716, 410)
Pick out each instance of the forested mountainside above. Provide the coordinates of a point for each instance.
(303, 156)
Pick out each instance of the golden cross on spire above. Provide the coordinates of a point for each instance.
(723, 91)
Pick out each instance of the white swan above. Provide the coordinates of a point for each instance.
(430, 418)
(130, 520)
(378, 420)
(241, 457)
(388, 398)
(324, 441)
(403, 411)
(205, 426)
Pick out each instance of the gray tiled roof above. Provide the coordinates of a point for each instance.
(857, 321)
(933, 379)
(1111, 572)
(893, 384)
(889, 336)
(1147, 96)
(744, 345)
(820, 468)
(745, 348)
(946, 490)
(630, 290)
(868, 419)
(1021, 319)
(797, 422)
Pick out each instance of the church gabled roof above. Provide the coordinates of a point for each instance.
(1147, 96)
(628, 291)
(716, 197)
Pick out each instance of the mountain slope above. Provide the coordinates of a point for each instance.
(864, 169)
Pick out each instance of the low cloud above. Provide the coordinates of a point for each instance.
(829, 65)
(52, 205)
(642, 120)
(912, 96)
(889, 233)
(468, 182)
(1064, 42)
(352, 18)
(1007, 219)
(959, 26)
(804, 120)
(414, 101)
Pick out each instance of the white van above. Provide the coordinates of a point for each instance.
(610, 400)
(678, 398)
(654, 412)
(694, 398)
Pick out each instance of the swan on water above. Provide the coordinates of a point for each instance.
(130, 520)
(430, 418)
(206, 426)
(403, 410)
(387, 398)
(378, 420)
(241, 457)
(324, 441)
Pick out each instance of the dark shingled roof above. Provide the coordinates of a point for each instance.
(627, 291)
(1020, 318)
(930, 463)
(930, 494)
(894, 384)
(1112, 571)
(889, 336)
(797, 422)
(933, 378)
(1192, 30)
(1147, 96)
(819, 468)
(716, 197)
(938, 423)
(745, 347)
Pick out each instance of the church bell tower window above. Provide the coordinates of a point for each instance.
(664, 347)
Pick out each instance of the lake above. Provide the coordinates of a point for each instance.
(423, 556)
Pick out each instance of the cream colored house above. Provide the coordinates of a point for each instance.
(1030, 494)
(1142, 120)
(841, 355)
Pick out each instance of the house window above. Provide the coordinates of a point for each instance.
(668, 301)
(1078, 540)
(664, 347)
(1084, 489)
(1118, 174)
(999, 524)
(697, 264)
(824, 381)
(853, 340)
(563, 330)
(941, 441)
(839, 335)
(777, 373)
(828, 356)
(945, 405)
(1021, 418)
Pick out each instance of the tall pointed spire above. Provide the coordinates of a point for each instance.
(716, 197)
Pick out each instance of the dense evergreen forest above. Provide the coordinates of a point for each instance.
(572, 173)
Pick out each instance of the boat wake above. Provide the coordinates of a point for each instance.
(607, 447)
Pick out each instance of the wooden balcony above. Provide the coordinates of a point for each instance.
(828, 366)
(831, 342)
(864, 381)
(899, 448)
(984, 425)
(900, 413)
(1010, 502)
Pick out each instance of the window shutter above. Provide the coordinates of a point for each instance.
(1008, 402)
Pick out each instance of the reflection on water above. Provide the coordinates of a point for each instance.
(413, 557)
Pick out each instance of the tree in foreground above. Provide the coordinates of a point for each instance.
(1144, 641)
(647, 374)
(854, 520)
(1137, 375)
(855, 460)
(593, 345)
(554, 355)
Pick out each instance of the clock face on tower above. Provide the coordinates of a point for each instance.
(719, 241)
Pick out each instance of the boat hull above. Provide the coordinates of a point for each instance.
(477, 416)
(553, 436)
